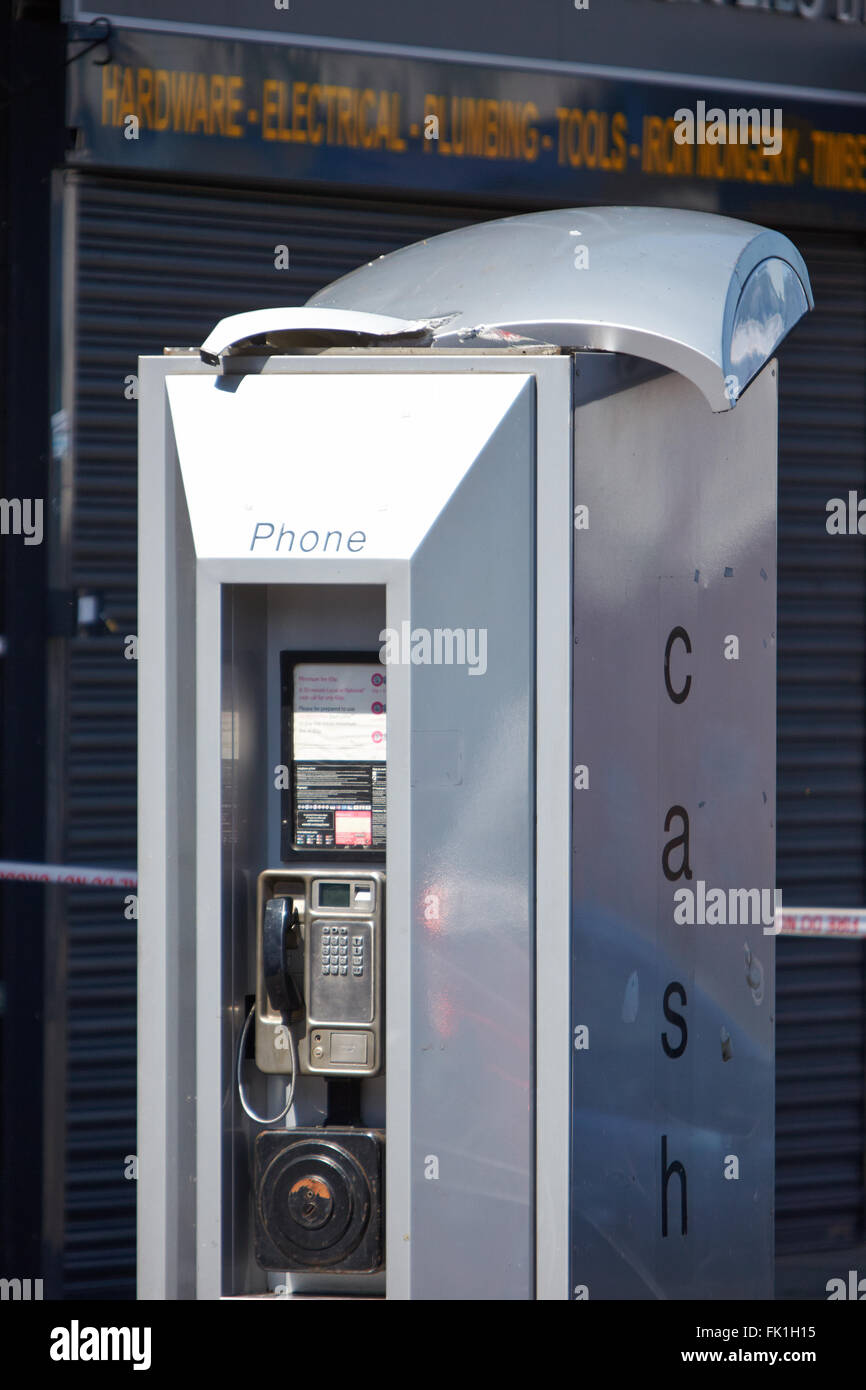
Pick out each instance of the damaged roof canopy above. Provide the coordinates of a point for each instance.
(709, 297)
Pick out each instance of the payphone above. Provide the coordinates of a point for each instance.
(318, 1191)
(433, 1053)
(320, 945)
(319, 993)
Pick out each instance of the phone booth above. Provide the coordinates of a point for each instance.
(457, 779)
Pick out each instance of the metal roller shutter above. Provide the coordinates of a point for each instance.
(821, 984)
(155, 265)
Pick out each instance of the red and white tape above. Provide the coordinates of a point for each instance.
(797, 921)
(822, 921)
(67, 873)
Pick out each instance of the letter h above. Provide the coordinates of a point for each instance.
(667, 1171)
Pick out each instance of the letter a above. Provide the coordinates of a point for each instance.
(389, 652)
(684, 132)
(837, 524)
(60, 1338)
(685, 867)
(684, 907)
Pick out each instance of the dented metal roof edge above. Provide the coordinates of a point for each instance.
(267, 325)
(726, 293)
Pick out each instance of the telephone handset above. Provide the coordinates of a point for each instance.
(281, 933)
(279, 937)
(319, 973)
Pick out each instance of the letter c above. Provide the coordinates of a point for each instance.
(678, 634)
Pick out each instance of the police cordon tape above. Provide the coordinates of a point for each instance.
(823, 921)
(797, 921)
(68, 874)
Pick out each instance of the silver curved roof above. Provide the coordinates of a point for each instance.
(709, 297)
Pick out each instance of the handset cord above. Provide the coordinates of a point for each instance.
(290, 1089)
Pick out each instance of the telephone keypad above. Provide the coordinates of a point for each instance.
(335, 952)
(344, 951)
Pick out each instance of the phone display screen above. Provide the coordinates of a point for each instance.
(335, 894)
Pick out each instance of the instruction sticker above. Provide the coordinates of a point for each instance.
(338, 712)
(339, 745)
